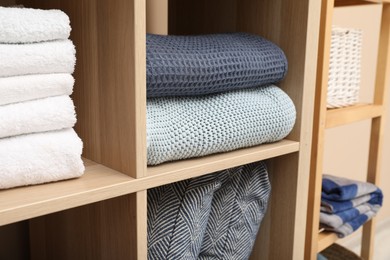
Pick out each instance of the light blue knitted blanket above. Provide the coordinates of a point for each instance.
(185, 127)
(205, 64)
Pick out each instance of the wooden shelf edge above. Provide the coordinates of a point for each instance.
(342, 116)
(102, 183)
(98, 183)
(185, 169)
(326, 239)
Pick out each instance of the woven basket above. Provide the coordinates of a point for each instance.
(344, 67)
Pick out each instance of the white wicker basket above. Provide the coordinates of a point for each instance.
(344, 67)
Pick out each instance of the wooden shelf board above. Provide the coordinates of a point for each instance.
(102, 183)
(98, 183)
(341, 3)
(326, 239)
(199, 166)
(342, 116)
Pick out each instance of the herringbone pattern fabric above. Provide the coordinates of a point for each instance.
(177, 217)
(216, 216)
(237, 211)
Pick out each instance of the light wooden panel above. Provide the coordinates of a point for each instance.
(347, 115)
(157, 16)
(378, 126)
(207, 164)
(316, 167)
(294, 27)
(326, 239)
(104, 230)
(110, 89)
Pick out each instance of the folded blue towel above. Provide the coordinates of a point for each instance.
(206, 64)
(340, 193)
(347, 204)
(352, 225)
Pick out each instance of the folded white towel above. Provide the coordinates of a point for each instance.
(37, 58)
(25, 25)
(30, 87)
(39, 158)
(39, 115)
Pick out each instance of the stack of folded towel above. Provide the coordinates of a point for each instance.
(347, 204)
(213, 93)
(37, 142)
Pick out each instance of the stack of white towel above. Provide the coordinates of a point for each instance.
(37, 142)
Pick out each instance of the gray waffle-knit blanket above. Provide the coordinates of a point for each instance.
(198, 65)
(185, 127)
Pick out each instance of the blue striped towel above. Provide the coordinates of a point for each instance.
(339, 194)
(347, 204)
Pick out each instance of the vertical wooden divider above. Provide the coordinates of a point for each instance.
(378, 124)
(293, 26)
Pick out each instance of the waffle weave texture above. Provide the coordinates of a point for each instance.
(206, 64)
(185, 127)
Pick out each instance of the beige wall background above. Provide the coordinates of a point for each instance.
(346, 149)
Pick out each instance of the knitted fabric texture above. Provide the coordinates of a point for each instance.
(198, 65)
(237, 210)
(177, 217)
(185, 127)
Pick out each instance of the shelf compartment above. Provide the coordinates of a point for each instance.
(326, 239)
(98, 183)
(180, 170)
(342, 116)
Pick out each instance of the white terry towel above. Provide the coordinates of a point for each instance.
(39, 158)
(39, 115)
(30, 87)
(37, 58)
(25, 25)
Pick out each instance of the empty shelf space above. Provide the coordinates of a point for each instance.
(342, 116)
(98, 183)
(180, 170)
(326, 239)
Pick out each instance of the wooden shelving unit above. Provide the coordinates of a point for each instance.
(327, 118)
(102, 215)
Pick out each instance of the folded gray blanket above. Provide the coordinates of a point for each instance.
(205, 64)
(185, 127)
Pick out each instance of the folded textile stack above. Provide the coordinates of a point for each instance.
(213, 93)
(37, 142)
(347, 204)
(216, 216)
